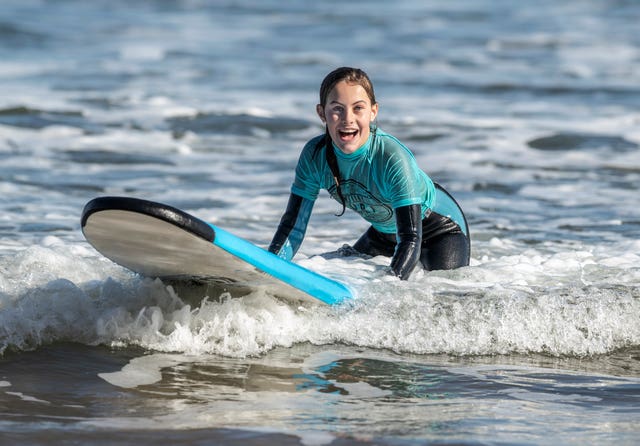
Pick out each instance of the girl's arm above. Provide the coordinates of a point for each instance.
(407, 254)
(293, 225)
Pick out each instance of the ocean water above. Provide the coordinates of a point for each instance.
(528, 112)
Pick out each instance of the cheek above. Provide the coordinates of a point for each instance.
(333, 117)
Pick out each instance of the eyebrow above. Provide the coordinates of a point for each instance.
(340, 103)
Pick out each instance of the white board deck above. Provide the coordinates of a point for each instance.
(157, 240)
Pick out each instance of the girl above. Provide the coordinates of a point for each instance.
(365, 169)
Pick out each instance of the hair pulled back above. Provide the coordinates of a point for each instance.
(350, 76)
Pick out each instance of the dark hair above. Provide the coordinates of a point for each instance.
(350, 76)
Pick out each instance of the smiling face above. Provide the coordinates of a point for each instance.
(348, 111)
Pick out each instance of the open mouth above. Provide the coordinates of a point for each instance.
(347, 135)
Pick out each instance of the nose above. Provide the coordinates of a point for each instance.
(347, 116)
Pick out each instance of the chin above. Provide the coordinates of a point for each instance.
(348, 148)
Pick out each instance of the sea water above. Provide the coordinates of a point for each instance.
(528, 112)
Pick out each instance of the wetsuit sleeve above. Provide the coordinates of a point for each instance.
(293, 225)
(409, 235)
(309, 172)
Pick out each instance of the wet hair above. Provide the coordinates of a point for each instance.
(351, 76)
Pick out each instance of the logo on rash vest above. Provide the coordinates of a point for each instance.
(359, 199)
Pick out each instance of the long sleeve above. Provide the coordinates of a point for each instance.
(293, 225)
(409, 235)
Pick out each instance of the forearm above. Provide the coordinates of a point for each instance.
(409, 234)
(293, 225)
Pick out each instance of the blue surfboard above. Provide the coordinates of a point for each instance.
(157, 240)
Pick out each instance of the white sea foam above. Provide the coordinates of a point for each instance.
(580, 303)
(27, 398)
(141, 371)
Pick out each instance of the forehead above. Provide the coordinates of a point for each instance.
(347, 92)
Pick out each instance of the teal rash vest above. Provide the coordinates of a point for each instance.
(379, 177)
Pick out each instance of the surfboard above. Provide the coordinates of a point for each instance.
(160, 241)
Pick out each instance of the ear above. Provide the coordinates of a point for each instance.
(320, 112)
(374, 111)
